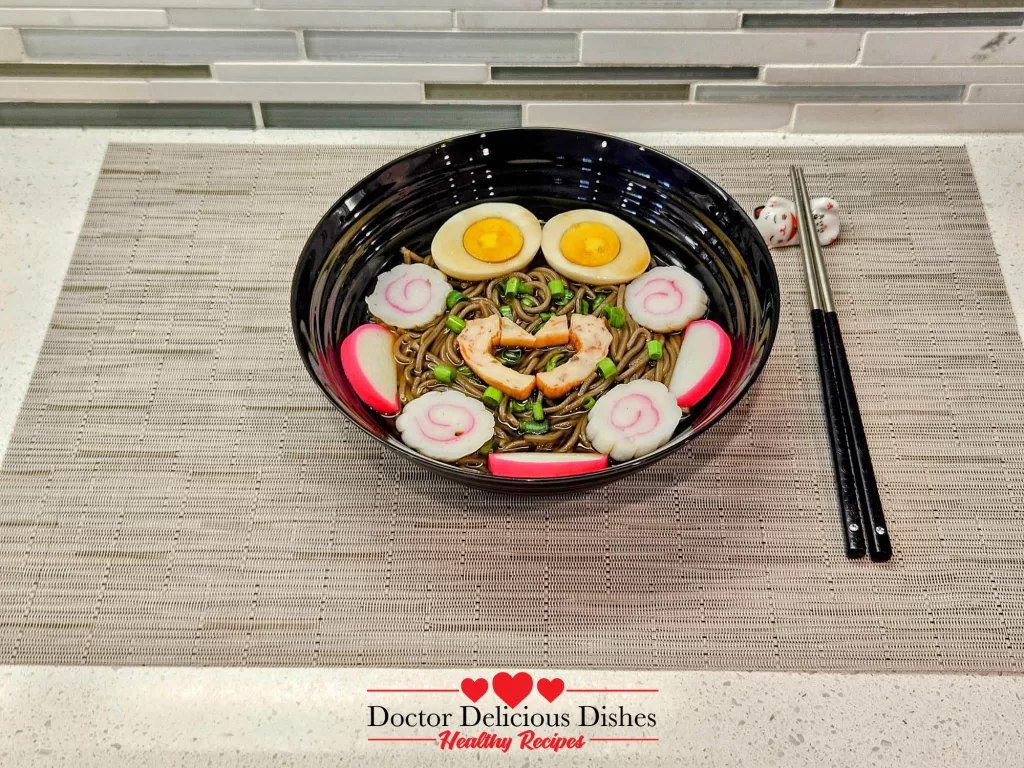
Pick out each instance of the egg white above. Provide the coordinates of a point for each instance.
(631, 261)
(452, 258)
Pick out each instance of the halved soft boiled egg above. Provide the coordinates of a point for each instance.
(594, 247)
(486, 241)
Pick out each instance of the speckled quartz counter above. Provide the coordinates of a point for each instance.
(184, 717)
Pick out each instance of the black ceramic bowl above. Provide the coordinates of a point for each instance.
(686, 219)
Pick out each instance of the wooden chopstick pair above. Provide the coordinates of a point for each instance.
(860, 507)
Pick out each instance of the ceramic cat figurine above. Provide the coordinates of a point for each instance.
(778, 225)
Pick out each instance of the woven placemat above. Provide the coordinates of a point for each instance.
(177, 490)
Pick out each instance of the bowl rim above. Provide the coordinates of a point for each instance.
(612, 472)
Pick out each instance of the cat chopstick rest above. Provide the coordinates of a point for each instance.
(778, 225)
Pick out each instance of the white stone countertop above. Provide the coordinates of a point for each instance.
(82, 717)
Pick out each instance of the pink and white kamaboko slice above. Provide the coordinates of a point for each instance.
(633, 419)
(703, 357)
(445, 425)
(409, 296)
(545, 464)
(368, 359)
(666, 299)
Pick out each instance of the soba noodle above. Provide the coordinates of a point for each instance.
(419, 351)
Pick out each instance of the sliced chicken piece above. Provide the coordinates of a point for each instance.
(476, 343)
(513, 335)
(591, 338)
(554, 333)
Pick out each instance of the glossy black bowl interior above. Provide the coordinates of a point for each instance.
(686, 219)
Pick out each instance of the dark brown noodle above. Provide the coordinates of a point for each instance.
(419, 351)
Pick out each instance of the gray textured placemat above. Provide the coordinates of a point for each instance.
(177, 491)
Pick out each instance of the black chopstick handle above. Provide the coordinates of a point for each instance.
(877, 533)
(842, 461)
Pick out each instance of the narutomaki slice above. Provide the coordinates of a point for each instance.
(633, 419)
(703, 358)
(445, 425)
(666, 299)
(409, 296)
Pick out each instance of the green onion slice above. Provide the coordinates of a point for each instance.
(453, 298)
(533, 427)
(510, 356)
(553, 362)
(616, 316)
(455, 324)
(519, 406)
(492, 397)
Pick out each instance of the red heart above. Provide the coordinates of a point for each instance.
(474, 689)
(550, 689)
(512, 690)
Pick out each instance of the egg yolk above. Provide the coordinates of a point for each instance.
(492, 240)
(589, 244)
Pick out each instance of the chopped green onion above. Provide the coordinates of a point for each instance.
(528, 302)
(545, 316)
(444, 374)
(486, 448)
(553, 362)
(557, 288)
(565, 297)
(510, 356)
(492, 397)
(465, 370)
(607, 368)
(589, 403)
(616, 316)
(584, 307)
(519, 406)
(525, 288)
(512, 286)
(455, 324)
(533, 427)
(598, 301)
(654, 350)
(506, 311)
(453, 298)
(538, 412)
